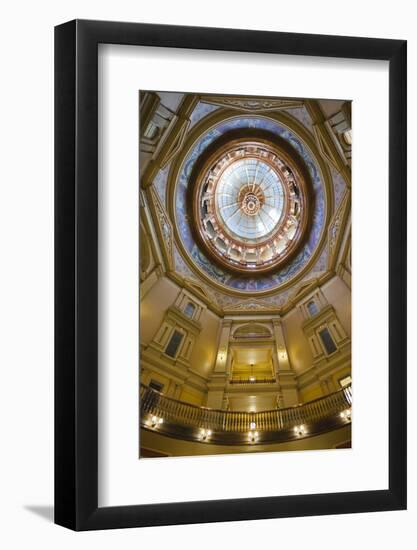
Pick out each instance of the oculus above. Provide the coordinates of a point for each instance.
(250, 205)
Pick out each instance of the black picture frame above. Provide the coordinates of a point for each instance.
(76, 272)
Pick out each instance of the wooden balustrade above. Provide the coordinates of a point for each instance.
(186, 421)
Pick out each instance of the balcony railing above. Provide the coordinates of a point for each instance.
(252, 381)
(185, 421)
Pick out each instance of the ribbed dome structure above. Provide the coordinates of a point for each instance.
(250, 199)
(250, 205)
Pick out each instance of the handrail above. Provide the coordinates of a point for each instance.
(239, 380)
(314, 414)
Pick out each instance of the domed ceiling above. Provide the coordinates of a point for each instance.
(250, 195)
(249, 204)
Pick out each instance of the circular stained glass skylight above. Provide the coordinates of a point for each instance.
(249, 205)
(249, 199)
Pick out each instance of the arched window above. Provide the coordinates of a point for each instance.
(312, 308)
(189, 310)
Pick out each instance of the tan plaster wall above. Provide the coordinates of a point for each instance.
(153, 307)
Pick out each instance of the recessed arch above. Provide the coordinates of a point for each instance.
(252, 330)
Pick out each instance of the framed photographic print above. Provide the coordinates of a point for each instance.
(249, 296)
(230, 263)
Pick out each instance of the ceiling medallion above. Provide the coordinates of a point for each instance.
(251, 199)
(250, 205)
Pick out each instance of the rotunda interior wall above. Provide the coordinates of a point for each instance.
(207, 351)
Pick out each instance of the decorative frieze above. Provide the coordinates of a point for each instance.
(252, 104)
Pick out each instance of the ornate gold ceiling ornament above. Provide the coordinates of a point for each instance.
(250, 204)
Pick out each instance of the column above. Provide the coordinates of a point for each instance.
(223, 347)
(286, 376)
(218, 378)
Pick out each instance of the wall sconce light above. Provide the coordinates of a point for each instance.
(222, 354)
(346, 415)
(252, 377)
(300, 430)
(205, 434)
(252, 425)
(155, 421)
(253, 437)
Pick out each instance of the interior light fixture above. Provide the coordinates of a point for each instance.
(300, 430)
(205, 434)
(156, 420)
(346, 415)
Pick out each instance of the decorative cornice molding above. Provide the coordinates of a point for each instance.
(172, 141)
(337, 229)
(175, 145)
(306, 288)
(163, 227)
(186, 283)
(174, 313)
(325, 141)
(324, 315)
(152, 359)
(149, 103)
(252, 104)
